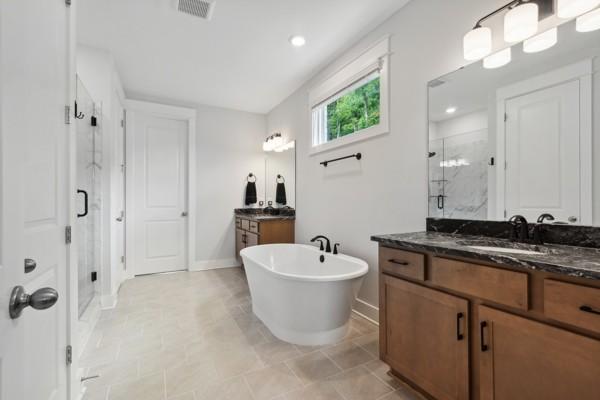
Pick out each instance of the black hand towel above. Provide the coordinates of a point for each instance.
(280, 196)
(251, 193)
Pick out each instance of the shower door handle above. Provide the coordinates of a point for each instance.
(85, 203)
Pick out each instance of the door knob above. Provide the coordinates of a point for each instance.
(184, 214)
(41, 299)
(572, 219)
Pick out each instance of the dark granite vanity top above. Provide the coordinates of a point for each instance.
(566, 260)
(260, 214)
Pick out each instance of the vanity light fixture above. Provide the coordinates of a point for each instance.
(498, 59)
(273, 142)
(521, 22)
(477, 43)
(588, 22)
(574, 8)
(450, 110)
(297, 40)
(541, 42)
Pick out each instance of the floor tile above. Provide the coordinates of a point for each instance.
(348, 355)
(276, 351)
(313, 367)
(189, 377)
(316, 391)
(232, 389)
(359, 384)
(150, 387)
(382, 371)
(272, 381)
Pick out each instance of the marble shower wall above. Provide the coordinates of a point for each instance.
(458, 172)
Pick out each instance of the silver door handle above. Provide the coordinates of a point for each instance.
(184, 214)
(41, 299)
(572, 219)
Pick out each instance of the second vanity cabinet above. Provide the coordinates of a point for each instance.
(252, 232)
(459, 329)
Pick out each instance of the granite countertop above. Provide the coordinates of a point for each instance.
(559, 259)
(258, 214)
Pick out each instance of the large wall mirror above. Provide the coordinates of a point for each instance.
(520, 139)
(280, 177)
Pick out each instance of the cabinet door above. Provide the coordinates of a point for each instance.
(239, 242)
(527, 360)
(251, 239)
(425, 337)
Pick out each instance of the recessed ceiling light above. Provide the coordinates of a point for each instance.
(450, 110)
(297, 41)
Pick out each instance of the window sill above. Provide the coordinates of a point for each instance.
(366, 134)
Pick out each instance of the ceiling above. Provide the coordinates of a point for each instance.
(241, 59)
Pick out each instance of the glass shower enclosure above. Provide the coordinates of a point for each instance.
(89, 165)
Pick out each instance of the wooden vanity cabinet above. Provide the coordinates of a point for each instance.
(523, 359)
(425, 337)
(462, 329)
(251, 232)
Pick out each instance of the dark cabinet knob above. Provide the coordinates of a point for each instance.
(41, 299)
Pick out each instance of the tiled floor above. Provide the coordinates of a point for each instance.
(192, 336)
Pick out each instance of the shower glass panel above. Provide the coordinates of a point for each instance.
(458, 176)
(89, 160)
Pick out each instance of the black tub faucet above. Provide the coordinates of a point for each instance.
(520, 228)
(319, 237)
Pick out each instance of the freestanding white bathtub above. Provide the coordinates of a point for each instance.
(299, 298)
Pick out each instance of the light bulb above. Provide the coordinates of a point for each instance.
(588, 22)
(521, 22)
(498, 59)
(477, 43)
(541, 42)
(574, 8)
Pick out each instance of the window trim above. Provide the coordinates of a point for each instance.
(374, 58)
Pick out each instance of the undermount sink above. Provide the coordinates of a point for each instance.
(507, 250)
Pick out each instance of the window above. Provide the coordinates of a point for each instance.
(352, 105)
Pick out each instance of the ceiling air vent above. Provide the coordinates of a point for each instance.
(198, 8)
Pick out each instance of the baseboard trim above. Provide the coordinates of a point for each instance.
(214, 264)
(109, 301)
(366, 310)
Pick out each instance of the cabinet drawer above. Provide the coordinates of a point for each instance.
(238, 223)
(245, 225)
(251, 239)
(499, 285)
(572, 304)
(402, 263)
(253, 226)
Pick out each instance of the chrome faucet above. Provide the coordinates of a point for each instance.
(320, 238)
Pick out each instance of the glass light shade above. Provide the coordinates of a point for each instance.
(266, 146)
(277, 141)
(541, 42)
(588, 22)
(574, 8)
(498, 59)
(521, 22)
(477, 43)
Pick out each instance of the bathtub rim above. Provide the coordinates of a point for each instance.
(361, 272)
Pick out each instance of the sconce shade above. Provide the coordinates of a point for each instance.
(498, 59)
(477, 43)
(521, 22)
(588, 22)
(541, 42)
(574, 8)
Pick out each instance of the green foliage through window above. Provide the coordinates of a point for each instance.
(354, 111)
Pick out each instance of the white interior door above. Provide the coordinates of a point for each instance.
(33, 195)
(160, 190)
(542, 153)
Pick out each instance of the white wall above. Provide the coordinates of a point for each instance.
(97, 70)
(471, 122)
(229, 146)
(387, 191)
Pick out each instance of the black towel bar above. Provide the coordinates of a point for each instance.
(358, 156)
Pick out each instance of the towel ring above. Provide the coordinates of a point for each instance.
(280, 177)
(251, 175)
